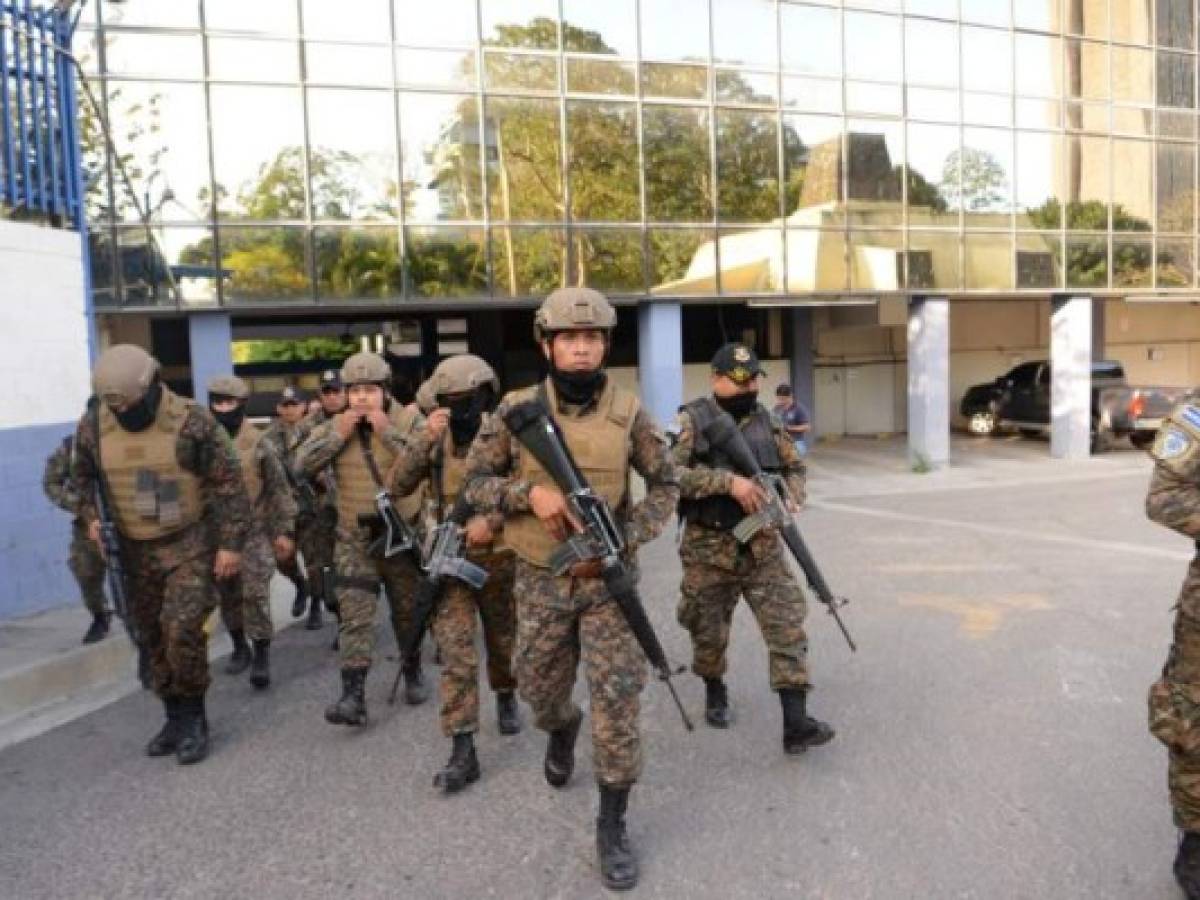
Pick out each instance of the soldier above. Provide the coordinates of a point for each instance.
(362, 445)
(563, 620)
(718, 569)
(164, 463)
(463, 388)
(83, 558)
(246, 599)
(1174, 501)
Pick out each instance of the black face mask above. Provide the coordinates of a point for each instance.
(739, 405)
(466, 415)
(231, 420)
(577, 388)
(141, 415)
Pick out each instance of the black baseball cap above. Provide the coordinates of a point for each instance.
(290, 395)
(331, 380)
(737, 362)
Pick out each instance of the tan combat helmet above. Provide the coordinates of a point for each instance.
(366, 368)
(573, 309)
(123, 374)
(229, 386)
(460, 374)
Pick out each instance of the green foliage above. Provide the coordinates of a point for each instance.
(306, 350)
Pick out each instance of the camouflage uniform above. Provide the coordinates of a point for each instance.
(83, 559)
(718, 570)
(170, 579)
(564, 620)
(316, 519)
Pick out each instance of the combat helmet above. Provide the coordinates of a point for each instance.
(573, 309)
(460, 374)
(366, 368)
(123, 374)
(228, 386)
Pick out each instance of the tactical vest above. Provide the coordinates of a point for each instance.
(356, 489)
(152, 495)
(246, 444)
(600, 443)
(721, 511)
(453, 470)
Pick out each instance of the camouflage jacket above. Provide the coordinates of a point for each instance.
(321, 447)
(204, 449)
(420, 462)
(697, 480)
(1174, 496)
(493, 459)
(313, 494)
(56, 479)
(277, 508)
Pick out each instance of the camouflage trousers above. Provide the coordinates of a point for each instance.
(1174, 706)
(454, 629)
(709, 594)
(359, 579)
(316, 536)
(246, 599)
(560, 622)
(87, 565)
(171, 594)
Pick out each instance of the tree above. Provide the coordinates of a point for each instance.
(973, 180)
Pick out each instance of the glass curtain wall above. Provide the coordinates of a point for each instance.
(292, 152)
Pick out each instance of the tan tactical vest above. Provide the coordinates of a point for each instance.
(454, 472)
(600, 444)
(141, 471)
(246, 445)
(356, 488)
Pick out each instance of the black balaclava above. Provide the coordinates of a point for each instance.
(739, 405)
(140, 415)
(466, 414)
(231, 420)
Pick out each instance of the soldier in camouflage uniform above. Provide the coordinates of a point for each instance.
(374, 431)
(83, 559)
(562, 620)
(246, 599)
(718, 570)
(1174, 501)
(165, 464)
(463, 388)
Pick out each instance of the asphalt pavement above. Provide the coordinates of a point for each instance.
(991, 737)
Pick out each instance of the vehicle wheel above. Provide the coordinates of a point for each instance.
(982, 424)
(1030, 432)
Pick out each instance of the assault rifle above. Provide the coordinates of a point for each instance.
(390, 534)
(445, 560)
(110, 544)
(723, 433)
(600, 540)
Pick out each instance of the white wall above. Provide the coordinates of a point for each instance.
(44, 364)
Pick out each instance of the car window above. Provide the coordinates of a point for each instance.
(1023, 374)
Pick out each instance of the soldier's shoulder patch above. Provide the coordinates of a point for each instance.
(1190, 415)
(1174, 445)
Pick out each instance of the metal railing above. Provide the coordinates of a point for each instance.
(39, 138)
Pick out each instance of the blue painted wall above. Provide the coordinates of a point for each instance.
(34, 534)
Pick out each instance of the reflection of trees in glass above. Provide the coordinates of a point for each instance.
(1087, 259)
(305, 350)
(358, 263)
(446, 263)
(974, 180)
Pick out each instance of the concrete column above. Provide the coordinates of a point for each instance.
(1070, 377)
(210, 340)
(660, 359)
(1099, 330)
(929, 381)
(803, 377)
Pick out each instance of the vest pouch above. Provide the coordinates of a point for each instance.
(170, 509)
(145, 496)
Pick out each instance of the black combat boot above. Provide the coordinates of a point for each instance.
(239, 660)
(1187, 865)
(461, 769)
(351, 709)
(301, 599)
(716, 703)
(164, 743)
(193, 731)
(560, 753)
(315, 622)
(98, 630)
(618, 865)
(508, 720)
(260, 668)
(415, 692)
(800, 730)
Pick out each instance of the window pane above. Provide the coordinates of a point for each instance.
(1087, 262)
(525, 184)
(358, 263)
(1039, 73)
(157, 55)
(266, 16)
(1176, 263)
(608, 27)
(1176, 80)
(751, 260)
(520, 71)
(678, 180)
(933, 105)
(1133, 185)
(680, 82)
(1176, 124)
(986, 169)
(757, 88)
(1090, 18)
(520, 23)
(352, 157)
(747, 165)
(243, 59)
(1176, 187)
(874, 150)
(348, 64)
(873, 99)
(451, 23)
(1132, 75)
(988, 262)
(877, 261)
(987, 60)
(608, 260)
(873, 47)
(1132, 262)
(1088, 172)
(1039, 261)
(812, 147)
(940, 9)
(1130, 23)
(682, 261)
(1039, 192)
(931, 52)
(265, 264)
(602, 139)
(167, 265)
(349, 20)
(445, 262)
(675, 30)
(436, 68)
(1040, 15)
(986, 12)
(260, 170)
(440, 153)
(812, 94)
(987, 109)
(933, 176)
(594, 76)
(812, 39)
(529, 262)
(816, 261)
(744, 32)
(1175, 23)
(1088, 117)
(1038, 113)
(176, 14)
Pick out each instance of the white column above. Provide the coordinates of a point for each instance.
(1070, 377)
(210, 338)
(929, 381)
(660, 359)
